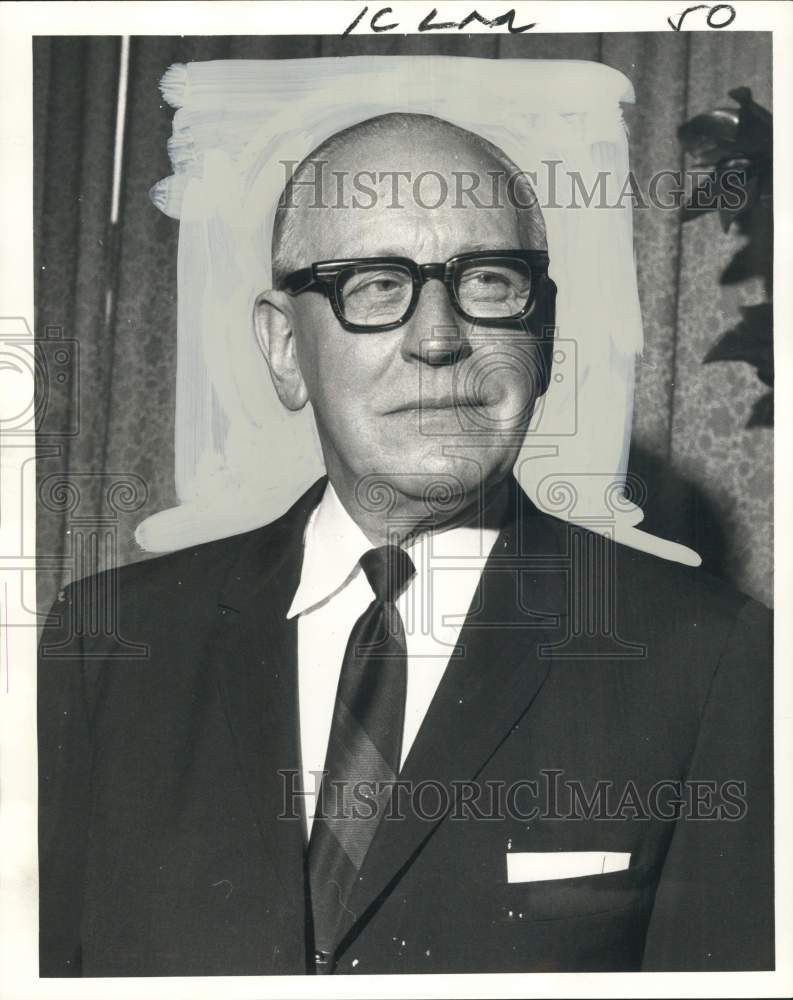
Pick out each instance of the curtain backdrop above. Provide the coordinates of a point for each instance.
(106, 294)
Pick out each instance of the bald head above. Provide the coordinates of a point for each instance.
(409, 165)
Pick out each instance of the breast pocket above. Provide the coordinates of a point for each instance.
(555, 899)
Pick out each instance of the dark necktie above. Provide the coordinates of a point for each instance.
(364, 748)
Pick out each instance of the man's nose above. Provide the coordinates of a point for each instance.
(432, 334)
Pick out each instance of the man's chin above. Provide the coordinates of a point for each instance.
(442, 478)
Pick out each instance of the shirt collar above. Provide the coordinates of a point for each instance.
(333, 544)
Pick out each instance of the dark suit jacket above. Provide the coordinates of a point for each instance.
(165, 720)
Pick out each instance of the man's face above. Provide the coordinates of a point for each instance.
(437, 399)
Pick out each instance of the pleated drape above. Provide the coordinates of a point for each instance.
(108, 291)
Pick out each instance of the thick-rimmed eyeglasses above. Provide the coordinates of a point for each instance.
(373, 294)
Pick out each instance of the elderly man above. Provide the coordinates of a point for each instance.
(368, 737)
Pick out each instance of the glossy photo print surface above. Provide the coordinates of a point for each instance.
(403, 495)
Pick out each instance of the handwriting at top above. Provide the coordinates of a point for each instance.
(713, 19)
(429, 23)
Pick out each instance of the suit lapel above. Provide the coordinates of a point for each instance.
(486, 689)
(490, 684)
(257, 656)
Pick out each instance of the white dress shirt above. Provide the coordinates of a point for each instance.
(334, 592)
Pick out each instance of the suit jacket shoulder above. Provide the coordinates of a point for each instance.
(177, 589)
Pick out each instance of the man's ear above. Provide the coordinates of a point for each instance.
(273, 322)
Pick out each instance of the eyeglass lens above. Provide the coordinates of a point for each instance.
(381, 293)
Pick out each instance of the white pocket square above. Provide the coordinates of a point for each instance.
(537, 866)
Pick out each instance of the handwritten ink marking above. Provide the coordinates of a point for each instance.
(382, 27)
(429, 23)
(709, 19)
(688, 10)
(373, 22)
(508, 18)
(496, 22)
(355, 23)
(721, 6)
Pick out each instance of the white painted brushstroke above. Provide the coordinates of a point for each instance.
(240, 458)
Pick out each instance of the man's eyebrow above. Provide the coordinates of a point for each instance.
(473, 247)
(360, 250)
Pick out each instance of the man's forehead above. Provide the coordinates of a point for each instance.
(410, 231)
(422, 195)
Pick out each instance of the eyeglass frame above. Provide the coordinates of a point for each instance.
(323, 276)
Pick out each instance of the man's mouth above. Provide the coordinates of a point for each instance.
(428, 404)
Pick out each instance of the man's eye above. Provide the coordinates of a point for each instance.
(487, 278)
(383, 285)
(375, 285)
(492, 283)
